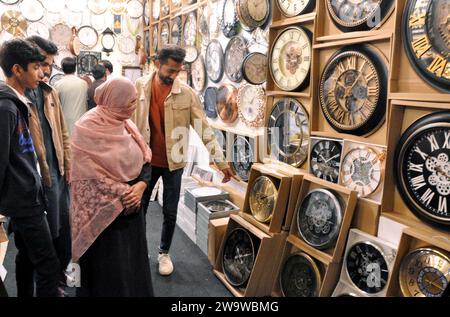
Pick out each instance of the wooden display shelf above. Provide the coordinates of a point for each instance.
(187, 8)
(271, 93)
(412, 239)
(283, 185)
(329, 271)
(333, 254)
(263, 272)
(216, 232)
(328, 31)
(403, 113)
(280, 20)
(285, 22)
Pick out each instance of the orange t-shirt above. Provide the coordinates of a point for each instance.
(159, 94)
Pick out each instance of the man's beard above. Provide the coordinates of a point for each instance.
(166, 80)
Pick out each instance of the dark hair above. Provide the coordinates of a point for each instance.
(108, 65)
(98, 71)
(47, 46)
(20, 52)
(69, 65)
(174, 52)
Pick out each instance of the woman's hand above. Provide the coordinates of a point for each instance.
(133, 196)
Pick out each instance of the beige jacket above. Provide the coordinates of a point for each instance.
(182, 110)
(60, 135)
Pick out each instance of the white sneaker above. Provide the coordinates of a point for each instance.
(165, 264)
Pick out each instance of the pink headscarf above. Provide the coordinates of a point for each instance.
(107, 152)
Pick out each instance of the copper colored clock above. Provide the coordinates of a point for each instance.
(227, 107)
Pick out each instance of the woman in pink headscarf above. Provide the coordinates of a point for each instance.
(110, 172)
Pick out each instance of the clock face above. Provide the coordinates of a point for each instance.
(214, 61)
(164, 36)
(253, 13)
(210, 102)
(263, 198)
(291, 8)
(175, 34)
(61, 34)
(127, 44)
(300, 276)
(234, 56)
(290, 59)
(39, 29)
(88, 36)
(32, 10)
(423, 168)
(108, 41)
(252, 104)
(135, 9)
(243, 157)
(361, 170)
(424, 272)
(156, 7)
(353, 91)
(359, 15)
(227, 108)
(191, 54)
(319, 218)
(190, 30)
(221, 138)
(426, 36)
(86, 61)
(288, 132)
(239, 256)
(367, 267)
(254, 68)
(229, 18)
(326, 160)
(198, 73)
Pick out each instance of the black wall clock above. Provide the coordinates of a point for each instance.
(325, 160)
(86, 61)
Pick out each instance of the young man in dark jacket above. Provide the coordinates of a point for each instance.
(21, 192)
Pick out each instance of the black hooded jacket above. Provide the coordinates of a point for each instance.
(21, 192)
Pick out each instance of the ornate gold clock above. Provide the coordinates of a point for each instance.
(263, 198)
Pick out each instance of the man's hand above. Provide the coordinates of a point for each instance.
(228, 174)
(133, 196)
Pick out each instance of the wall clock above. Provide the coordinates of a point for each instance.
(214, 61)
(53, 6)
(32, 10)
(252, 13)
(239, 254)
(9, 2)
(288, 132)
(203, 27)
(251, 101)
(98, 7)
(165, 8)
(300, 276)
(61, 34)
(191, 54)
(190, 30)
(214, 19)
(227, 108)
(165, 34)
(198, 74)
(135, 9)
(360, 15)
(39, 29)
(156, 7)
(425, 273)
(362, 169)
(55, 78)
(210, 102)
(175, 31)
(353, 90)
(147, 13)
(86, 61)
(290, 59)
(74, 44)
(126, 44)
(235, 53)
(263, 197)
(291, 8)
(325, 159)
(229, 19)
(243, 157)
(155, 38)
(319, 218)
(254, 68)
(422, 169)
(426, 37)
(88, 36)
(14, 23)
(108, 40)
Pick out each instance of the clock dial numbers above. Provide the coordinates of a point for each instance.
(235, 53)
(252, 13)
(291, 8)
(426, 37)
(254, 68)
(424, 272)
(326, 160)
(362, 171)
(252, 103)
(367, 267)
(214, 61)
(288, 132)
(243, 157)
(263, 198)
(290, 59)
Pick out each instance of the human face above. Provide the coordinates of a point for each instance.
(169, 71)
(31, 77)
(47, 64)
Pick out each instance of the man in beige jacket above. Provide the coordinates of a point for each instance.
(166, 108)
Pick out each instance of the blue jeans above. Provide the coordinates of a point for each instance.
(171, 197)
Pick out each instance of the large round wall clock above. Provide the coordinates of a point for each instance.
(239, 256)
(252, 13)
(214, 61)
(426, 37)
(425, 273)
(190, 29)
(243, 157)
(235, 53)
(32, 10)
(359, 15)
(263, 198)
(254, 68)
(353, 90)
(198, 74)
(39, 29)
(291, 8)
(86, 62)
(300, 276)
(290, 59)
(367, 268)
(229, 18)
(61, 34)
(175, 31)
(288, 132)
(361, 170)
(165, 33)
(14, 23)
(88, 36)
(423, 168)
(319, 218)
(135, 9)
(98, 6)
(251, 101)
(127, 44)
(227, 108)
(210, 102)
(325, 160)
